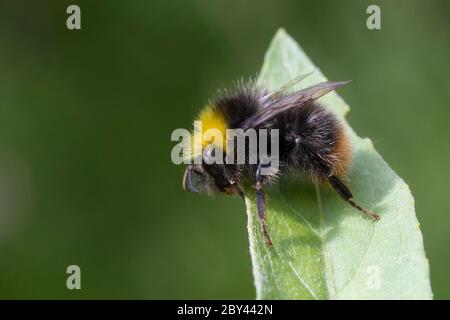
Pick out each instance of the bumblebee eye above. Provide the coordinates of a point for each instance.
(194, 179)
(209, 154)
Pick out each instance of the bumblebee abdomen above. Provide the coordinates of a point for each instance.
(314, 140)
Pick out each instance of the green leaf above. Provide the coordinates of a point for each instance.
(323, 248)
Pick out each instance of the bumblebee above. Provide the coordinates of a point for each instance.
(311, 139)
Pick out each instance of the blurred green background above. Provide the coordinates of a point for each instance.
(86, 118)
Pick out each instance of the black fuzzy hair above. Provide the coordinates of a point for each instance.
(239, 103)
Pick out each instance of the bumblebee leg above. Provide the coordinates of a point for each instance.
(346, 194)
(261, 206)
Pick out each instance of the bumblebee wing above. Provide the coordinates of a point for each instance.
(289, 85)
(294, 100)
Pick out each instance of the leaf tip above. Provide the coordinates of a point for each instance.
(280, 32)
(282, 35)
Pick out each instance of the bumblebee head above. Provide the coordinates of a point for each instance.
(205, 176)
(210, 177)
